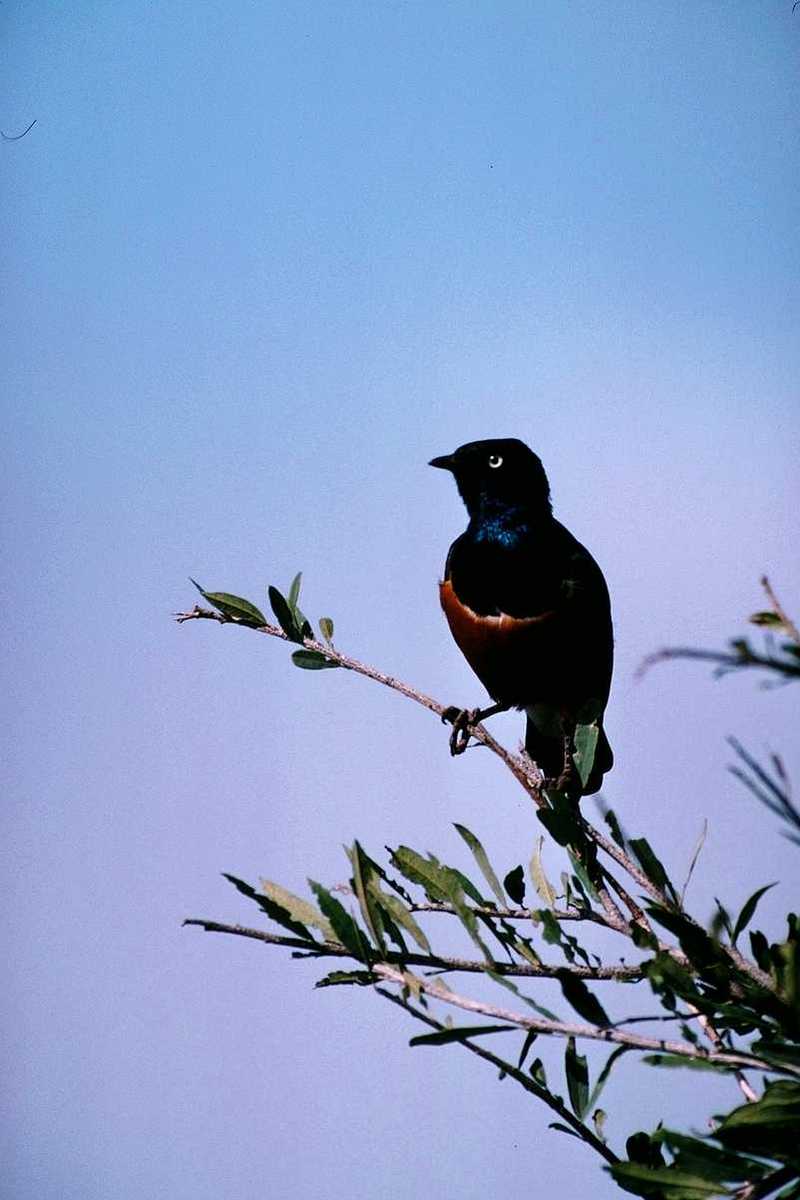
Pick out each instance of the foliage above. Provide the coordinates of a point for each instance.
(735, 1013)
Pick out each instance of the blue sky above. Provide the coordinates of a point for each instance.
(262, 261)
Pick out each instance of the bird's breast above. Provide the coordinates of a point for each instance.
(495, 646)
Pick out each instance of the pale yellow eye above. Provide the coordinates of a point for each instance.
(495, 461)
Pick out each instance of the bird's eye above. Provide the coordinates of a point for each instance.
(495, 461)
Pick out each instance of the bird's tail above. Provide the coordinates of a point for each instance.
(548, 754)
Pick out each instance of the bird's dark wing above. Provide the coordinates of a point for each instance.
(533, 620)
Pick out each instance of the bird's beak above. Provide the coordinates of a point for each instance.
(445, 461)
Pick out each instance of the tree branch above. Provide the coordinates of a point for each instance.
(435, 962)
(568, 1029)
(520, 766)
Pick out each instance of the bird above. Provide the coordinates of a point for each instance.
(529, 609)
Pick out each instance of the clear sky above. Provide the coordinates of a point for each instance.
(262, 261)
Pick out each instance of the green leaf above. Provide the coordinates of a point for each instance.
(482, 860)
(585, 1003)
(760, 949)
(540, 881)
(294, 590)
(776, 1051)
(696, 944)
(284, 615)
(583, 879)
(459, 1033)
(537, 1073)
(564, 1129)
(370, 911)
(275, 912)
(652, 866)
(297, 908)
(441, 883)
(312, 660)
(748, 909)
(530, 1038)
(301, 622)
(766, 1127)
(326, 629)
(602, 1078)
(393, 906)
(694, 1155)
(560, 819)
(769, 619)
(361, 978)
(615, 829)
(585, 747)
(514, 883)
(233, 606)
(662, 1182)
(346, 930)
(577, 1072)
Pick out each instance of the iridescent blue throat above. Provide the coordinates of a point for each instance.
(499, 523)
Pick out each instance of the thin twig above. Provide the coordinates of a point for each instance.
(529, 1084)
(568, 1029)
(725, 660)
(434, 962)
(15, 137)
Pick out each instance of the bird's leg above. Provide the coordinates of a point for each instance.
(568, 781)
(464, 720)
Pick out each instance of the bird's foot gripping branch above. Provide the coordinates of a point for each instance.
(676, 994)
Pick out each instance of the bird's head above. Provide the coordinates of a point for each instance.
(498, 473)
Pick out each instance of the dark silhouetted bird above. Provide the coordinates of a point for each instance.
(529, 609)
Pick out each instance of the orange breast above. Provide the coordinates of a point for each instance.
(500, 649)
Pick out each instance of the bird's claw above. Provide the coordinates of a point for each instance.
(463, 720)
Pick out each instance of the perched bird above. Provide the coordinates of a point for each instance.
(529, 609)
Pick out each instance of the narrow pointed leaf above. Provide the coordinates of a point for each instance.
(459, 1034)
(297, 908)
(346, 930)
(663, 1182)
(482, 860)
(369, 909)
(398, 912)
(585, 747)
(602, 1078)
(312, 660)
(294, 590)
(582, 1000)
(276, 912)
(360, 978)
(748, 909)
(284, 615)
(652, 866)
(577, 1072)
(540, 881)
(233, 606)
